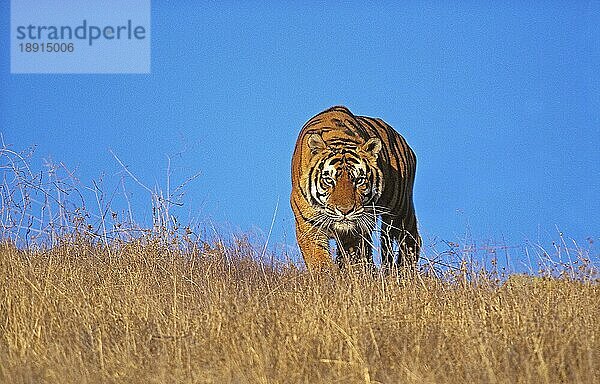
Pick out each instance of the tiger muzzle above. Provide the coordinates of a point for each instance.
(343, 196)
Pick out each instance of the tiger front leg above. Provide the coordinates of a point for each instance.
(314, 247)
(353, 250)
(406, 238)
(409, 244)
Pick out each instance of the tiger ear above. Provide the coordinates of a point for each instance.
(372, 146)
(316, 143)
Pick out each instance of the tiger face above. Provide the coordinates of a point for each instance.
(344, 182)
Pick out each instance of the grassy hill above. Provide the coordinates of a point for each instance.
(143, 312)
(88, 296)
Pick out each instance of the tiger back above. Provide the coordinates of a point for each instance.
(346, 172)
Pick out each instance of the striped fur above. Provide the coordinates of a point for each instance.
(346, 171)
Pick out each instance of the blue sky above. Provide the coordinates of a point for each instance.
(500, 103)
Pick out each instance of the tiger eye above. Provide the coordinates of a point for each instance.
(328, 181)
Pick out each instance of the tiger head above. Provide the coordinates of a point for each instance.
(344, 184)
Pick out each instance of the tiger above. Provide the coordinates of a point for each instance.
(347, 171)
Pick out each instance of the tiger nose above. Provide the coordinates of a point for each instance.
(345, 209)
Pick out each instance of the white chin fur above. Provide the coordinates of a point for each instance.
(345, 226)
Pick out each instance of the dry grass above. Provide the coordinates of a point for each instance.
(142, 312)
(89, 296)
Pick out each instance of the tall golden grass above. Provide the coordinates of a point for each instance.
(145, 313)
(91, 298)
